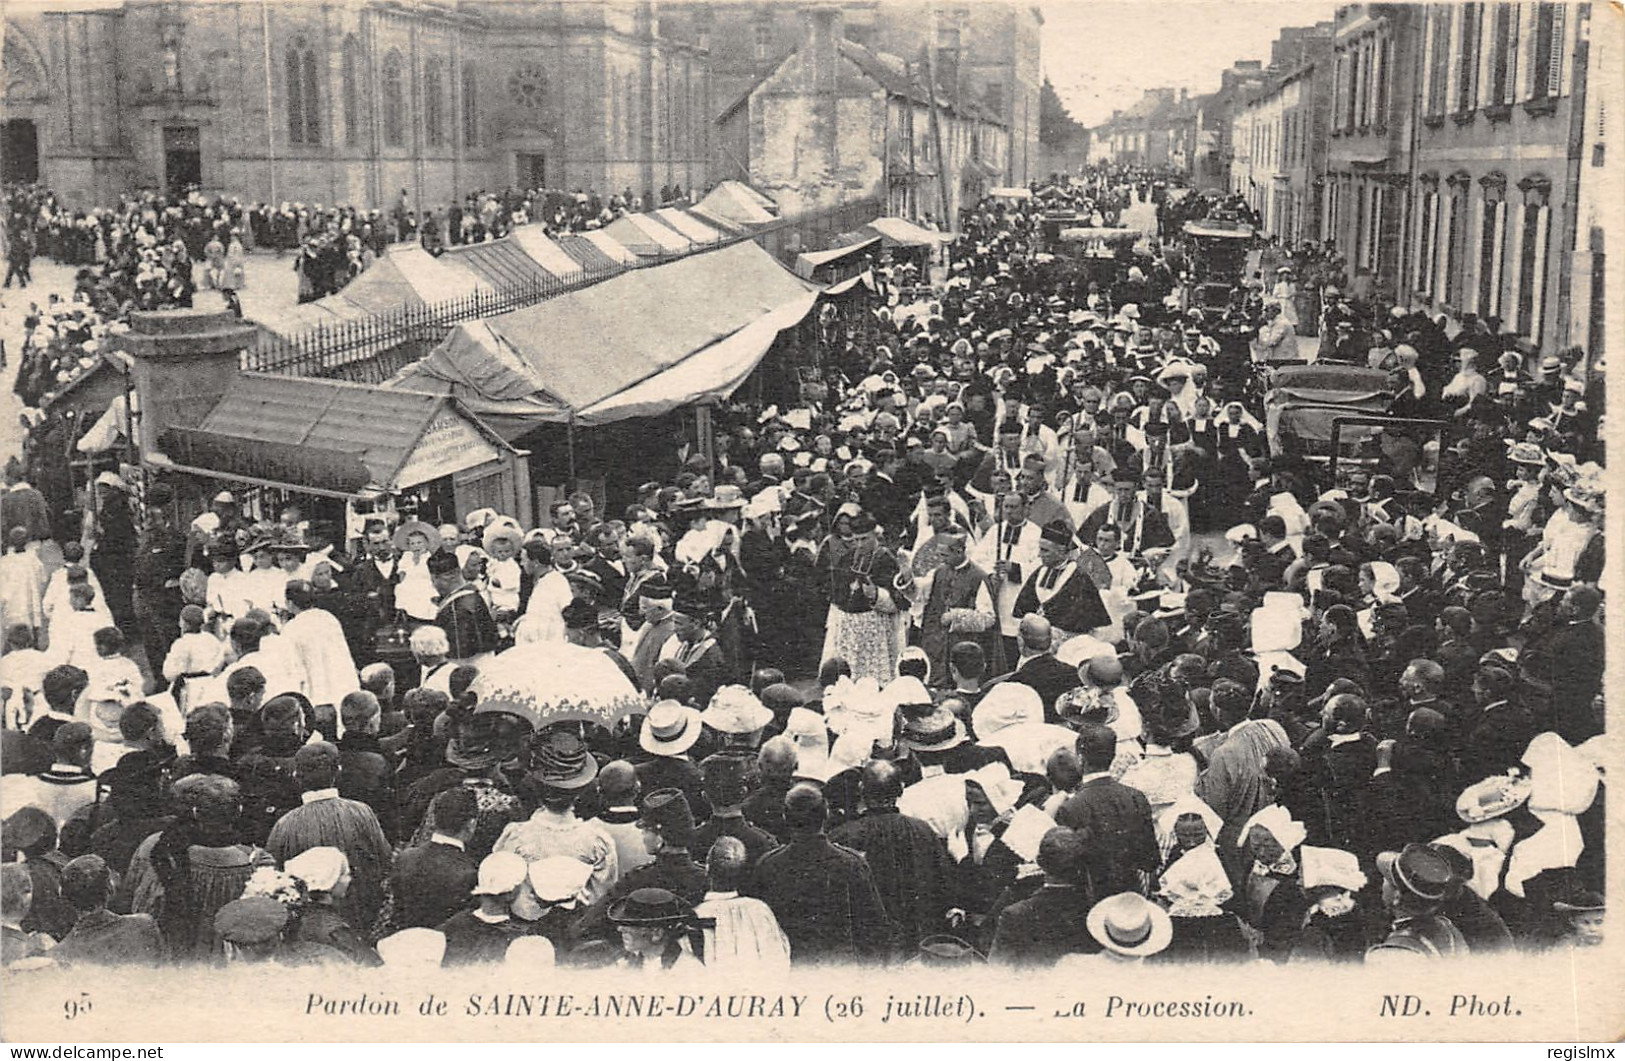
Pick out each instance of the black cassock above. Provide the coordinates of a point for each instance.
(1065, 596)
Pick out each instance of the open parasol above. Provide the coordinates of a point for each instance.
(548, 682)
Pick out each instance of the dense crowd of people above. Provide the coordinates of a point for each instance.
(153, 251)
(1016, 639)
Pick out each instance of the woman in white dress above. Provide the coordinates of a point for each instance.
(1285, 292)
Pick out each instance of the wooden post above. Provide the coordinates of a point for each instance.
(570, 446)
(704, 438)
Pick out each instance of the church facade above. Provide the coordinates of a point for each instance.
(351, 101)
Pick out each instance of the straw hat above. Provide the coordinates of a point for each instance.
(670, 729)
(1130, 925)
(936, 731)
(1492, 798)
(430, 533)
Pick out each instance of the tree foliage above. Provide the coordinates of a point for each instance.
(1056, 126)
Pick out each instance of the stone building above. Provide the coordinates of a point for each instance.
(1597, 293)
(1213, 150)
(351, 101)
(1281, 170)
(1372, 126)
(1497, 158)
(1150, 132)
(987, 52)
(834, 122)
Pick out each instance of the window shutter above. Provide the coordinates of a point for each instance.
(1554, 63)
(1529, 33)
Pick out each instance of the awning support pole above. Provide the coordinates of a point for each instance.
(570, 445)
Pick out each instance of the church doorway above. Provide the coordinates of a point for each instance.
(19, 152)
(183, 159)
(532, 169)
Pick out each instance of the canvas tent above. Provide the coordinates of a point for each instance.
(615, 350)
(532, 239)
(808, 264)
(897, 232)
(603, 243)
(405, 275)
(643, 235)
(738, 203)
(688, 225)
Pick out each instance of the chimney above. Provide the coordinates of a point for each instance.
(183, 361)
(823, 28)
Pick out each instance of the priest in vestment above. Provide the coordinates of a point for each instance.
(959, 607)
(322, 665)
(1059, 590)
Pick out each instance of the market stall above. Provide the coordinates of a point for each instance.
(646, 237)
(837, 263)
(526, 373)
(738, 203)
(344, 442)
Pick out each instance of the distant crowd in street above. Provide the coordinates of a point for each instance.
(140, 253)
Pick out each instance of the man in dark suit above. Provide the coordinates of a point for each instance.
(699, 650)
(1053, 921)
(884, 498)
(910, 864)
(1276, 553)
(727, 783)
(463, 614)
(99, 936)
(1116, 818)
(1499, 730)
(669, 731)
(606, 562)
(1039, 669)
(822, 894)
(1341, 756)
(432, 882)
(366, 773)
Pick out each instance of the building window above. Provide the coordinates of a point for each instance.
(1427, 238)
(1533, 237)
(394, 93)
(471, 106)
(1439, 60)
(1503, 53)
(350, 78)
(1467, 57)
(434, 104)
(1356, 77)
(1455, 242)
(764, 40)
(1547, 57)
(629, 113)
(1492, 238)
(704, 22)
(528, 87)
(1385, 56)
(304, 119)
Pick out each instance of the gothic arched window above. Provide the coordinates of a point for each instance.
(434, 106)
(351, 90)
(394, 93)
(304, 100)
